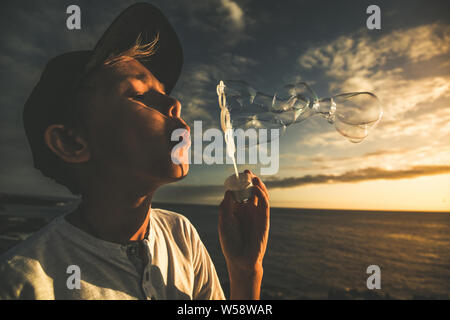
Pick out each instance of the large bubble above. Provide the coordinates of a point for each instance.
(352, 114)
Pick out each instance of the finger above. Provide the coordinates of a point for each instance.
(251, 174)
(253, 198)
(258, 182)
(227, 203)
(263, 200)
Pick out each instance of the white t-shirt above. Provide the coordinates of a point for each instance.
(179, 265)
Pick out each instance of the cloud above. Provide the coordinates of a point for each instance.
(389, 158)
(407, 69)
(235, 13)
(196, 88)
(223, 23)
(387, 66)
(321, 162)
(213, 193)
(360, 175)
(359, 53)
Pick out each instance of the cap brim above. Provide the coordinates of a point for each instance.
(146, 21)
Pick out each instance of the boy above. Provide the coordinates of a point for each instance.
(100, 122)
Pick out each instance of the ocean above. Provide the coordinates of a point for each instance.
(313, 254)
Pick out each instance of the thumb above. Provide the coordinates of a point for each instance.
(227, 203)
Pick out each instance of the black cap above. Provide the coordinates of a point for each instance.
(47, 103)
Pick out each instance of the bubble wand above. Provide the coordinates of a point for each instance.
(227, 128)
(239, 184)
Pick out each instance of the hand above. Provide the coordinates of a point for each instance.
(244, 228)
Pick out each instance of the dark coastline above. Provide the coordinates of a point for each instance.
(33, 200)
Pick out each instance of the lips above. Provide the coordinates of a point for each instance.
(184, 135)
(180, 149)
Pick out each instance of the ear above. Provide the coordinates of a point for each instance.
(66, 144)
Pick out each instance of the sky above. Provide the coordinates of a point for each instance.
(404, 163)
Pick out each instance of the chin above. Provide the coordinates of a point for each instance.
(182, 170)
(178, 172)
(166, 171)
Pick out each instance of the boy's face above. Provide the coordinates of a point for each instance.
(130, 120)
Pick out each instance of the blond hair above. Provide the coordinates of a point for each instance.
(139, 50)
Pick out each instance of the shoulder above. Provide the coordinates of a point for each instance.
(21, 266)
(31, 247)
(175, 228)
(171, 220)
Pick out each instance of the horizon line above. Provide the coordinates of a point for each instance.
(74, 198)
(315, 209)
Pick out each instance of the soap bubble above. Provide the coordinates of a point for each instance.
(356, 113)
(352, 114)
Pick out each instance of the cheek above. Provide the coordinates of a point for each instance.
(132, 135)
(148, 133)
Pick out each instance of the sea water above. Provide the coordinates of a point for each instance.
(314, 253)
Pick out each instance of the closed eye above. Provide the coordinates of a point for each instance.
(142, 98)
(150, 99)
(139, 97)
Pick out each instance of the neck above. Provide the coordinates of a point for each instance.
(118, 216)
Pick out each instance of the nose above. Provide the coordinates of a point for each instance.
(174, 108)
(165, 104)
(174, 111)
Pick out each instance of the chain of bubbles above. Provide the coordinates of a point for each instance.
(242, 106)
